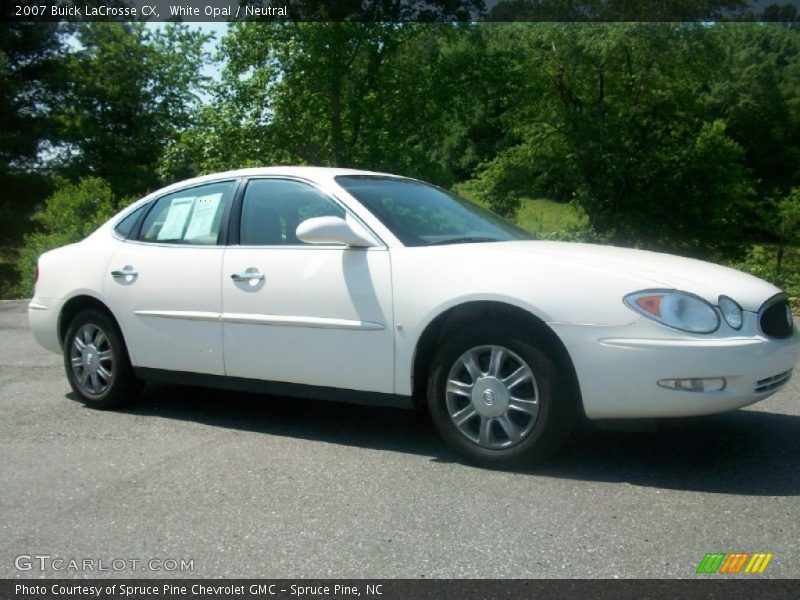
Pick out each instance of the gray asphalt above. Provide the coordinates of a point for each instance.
(265, 487)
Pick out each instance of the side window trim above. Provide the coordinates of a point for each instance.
(227, 211)
(234, 225)
(234, 222)
(136, 233)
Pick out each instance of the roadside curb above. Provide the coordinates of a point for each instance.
(12, 304)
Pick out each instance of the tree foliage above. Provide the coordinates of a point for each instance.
(673, 136)
(129, 93)
(29, 58)
(617, 120)
(375, 95)
(71, 213)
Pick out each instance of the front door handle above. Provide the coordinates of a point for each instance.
(250, 275)
(126, 272)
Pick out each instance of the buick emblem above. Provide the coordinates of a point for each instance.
(488, 397)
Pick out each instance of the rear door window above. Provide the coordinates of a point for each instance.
(191, 216)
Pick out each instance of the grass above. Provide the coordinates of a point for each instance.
(541, 216)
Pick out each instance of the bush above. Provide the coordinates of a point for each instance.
(71, 213)
(779, 262)
(763, 262)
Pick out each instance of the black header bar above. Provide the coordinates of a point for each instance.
(784, 11)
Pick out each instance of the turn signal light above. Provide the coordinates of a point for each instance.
(651, 304)
(709, 384)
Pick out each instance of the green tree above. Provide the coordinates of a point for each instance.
(756, 90)
(30, 55)
(312, 92)
(131, 91)
(371, 94)
(787, 228)
(71, 213)
(29, 62)
(615, 117)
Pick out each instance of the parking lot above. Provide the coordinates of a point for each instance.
(256, 486)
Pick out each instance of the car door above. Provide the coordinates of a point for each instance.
(309, 314)
(164, 282)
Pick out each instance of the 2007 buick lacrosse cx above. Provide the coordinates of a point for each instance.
(377, 289)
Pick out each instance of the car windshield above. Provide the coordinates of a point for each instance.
(423, 215)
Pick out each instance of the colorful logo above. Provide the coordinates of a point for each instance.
(734, 562)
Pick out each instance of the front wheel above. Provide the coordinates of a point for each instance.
(499, 399)
(96, 361)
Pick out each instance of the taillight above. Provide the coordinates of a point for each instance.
(35, 273)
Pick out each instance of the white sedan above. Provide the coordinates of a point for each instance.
(377, 289)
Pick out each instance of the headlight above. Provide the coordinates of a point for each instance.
(679, 310)
(731, 311)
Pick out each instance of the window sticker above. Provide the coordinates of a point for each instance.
(202, 219)
(177, 215)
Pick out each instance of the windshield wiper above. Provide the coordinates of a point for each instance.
(464, 240)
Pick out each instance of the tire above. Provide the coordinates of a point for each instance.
(96, 361)
(515, 422)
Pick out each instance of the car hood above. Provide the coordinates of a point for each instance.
(704, 279)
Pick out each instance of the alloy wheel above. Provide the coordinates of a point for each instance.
(492, 397)
(92, 359)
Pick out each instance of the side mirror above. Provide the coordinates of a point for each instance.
(332, 230)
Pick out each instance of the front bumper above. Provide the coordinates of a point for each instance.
(618, 368)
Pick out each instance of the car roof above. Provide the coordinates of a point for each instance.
(312, 173)
(319, 175)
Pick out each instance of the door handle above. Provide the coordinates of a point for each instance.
(124, 273)
(248, 275)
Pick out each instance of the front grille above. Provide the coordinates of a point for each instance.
(775, 318)
(773, 383)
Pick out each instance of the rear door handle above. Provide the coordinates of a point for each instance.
(124, 273)
(251, 274)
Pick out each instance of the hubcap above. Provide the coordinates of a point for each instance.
(489, 396)
(492, 397)
(92, 360)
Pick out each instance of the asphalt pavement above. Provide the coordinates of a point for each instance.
(254, 486)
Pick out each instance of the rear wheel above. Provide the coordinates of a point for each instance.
(96, 360)
(498, 398)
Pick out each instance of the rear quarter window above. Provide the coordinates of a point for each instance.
(126, 225)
